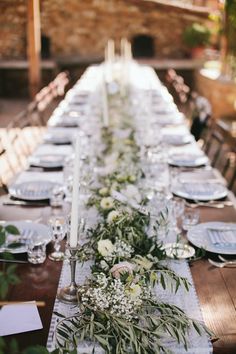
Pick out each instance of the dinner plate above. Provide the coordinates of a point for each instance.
(28, 230)
(187, 160)
(64, 121)
(177, 140)
(58, 139)
(201, 191)
(178, 250)
(47, 161)
(199, 236)
(32, 190)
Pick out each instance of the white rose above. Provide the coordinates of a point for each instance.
(134, 291)
(112, 216)
(107, 203)
(105, 247)
(123, 267)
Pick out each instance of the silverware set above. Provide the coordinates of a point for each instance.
(224, 262)
(210, 204)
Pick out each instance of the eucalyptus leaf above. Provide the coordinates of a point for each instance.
(11, 229)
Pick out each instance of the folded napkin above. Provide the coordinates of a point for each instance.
(222, 237)
(186, 159)
(19, 318)
(195, 190)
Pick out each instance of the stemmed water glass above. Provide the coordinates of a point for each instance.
(58, 229)
(177, 210)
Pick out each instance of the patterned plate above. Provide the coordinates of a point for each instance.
(34, 190)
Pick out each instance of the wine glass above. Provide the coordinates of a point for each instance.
(58, 229)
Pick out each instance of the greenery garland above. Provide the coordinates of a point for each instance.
(117, 308)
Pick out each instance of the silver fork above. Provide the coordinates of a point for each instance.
(218, 205)
(222, 264)
(226, 260)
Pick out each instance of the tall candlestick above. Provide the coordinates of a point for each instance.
(104, 104)
(111, 50)
(73, 241)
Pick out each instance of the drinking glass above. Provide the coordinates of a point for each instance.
(57, 197)
(190, 218)
(36, 251)
(58, 229)
(177, 210)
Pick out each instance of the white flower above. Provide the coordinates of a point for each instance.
(134, 291)
(123, 267)
(112, 216)
(107, 203)
(103, 264)
(132, 193)
(103, 191)
(143, 262)
(105, 247)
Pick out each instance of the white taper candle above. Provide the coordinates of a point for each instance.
(73, 240)
(105, 113)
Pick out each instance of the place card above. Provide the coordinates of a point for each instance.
(19, 318)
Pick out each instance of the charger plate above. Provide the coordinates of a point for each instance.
(201, 191)
(187, 160)
(47, 161)
(198, 235)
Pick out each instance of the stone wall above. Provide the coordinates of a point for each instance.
(13, 17)
(81, 28)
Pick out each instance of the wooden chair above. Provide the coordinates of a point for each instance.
(201, 112)
(213, 145)
(46, 99)
(178, 89)
(229, 171)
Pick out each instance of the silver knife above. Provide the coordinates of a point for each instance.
(12, 261)
(22, 203)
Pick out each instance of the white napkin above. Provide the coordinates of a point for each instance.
(200, 189)
(222, 237)
(19, 318)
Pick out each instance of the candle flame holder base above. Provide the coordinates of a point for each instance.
(68, 294)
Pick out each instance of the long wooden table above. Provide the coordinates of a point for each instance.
(216, 288)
